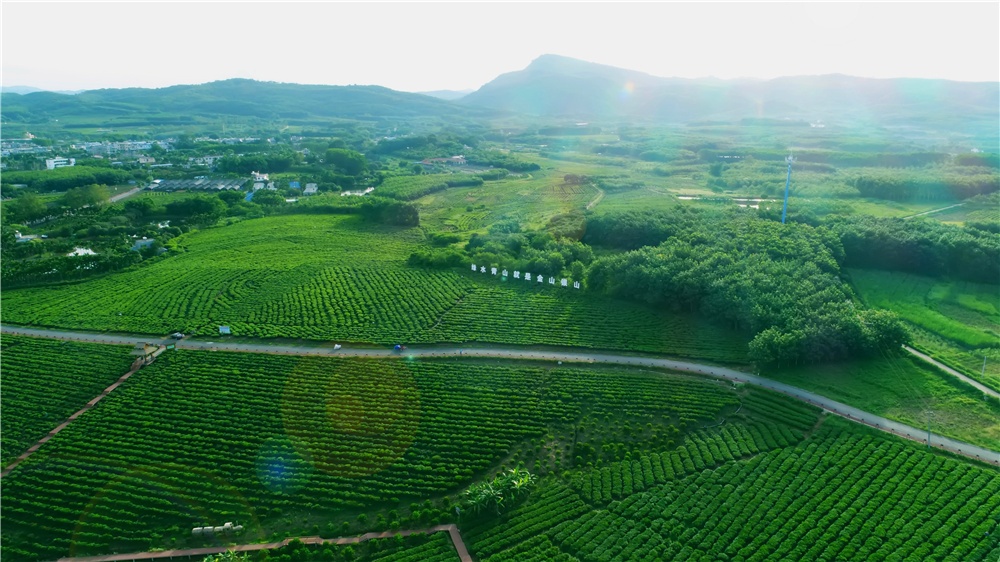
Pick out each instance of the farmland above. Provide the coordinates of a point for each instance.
(46, 381)
(904, 389)
(338, 278)
(629, 463)
(959, 321)
(139, 466)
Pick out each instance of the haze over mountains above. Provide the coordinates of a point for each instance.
(550, 87)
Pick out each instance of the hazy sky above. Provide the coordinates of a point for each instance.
(423, 46)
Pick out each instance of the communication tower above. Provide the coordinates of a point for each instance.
(788, 181)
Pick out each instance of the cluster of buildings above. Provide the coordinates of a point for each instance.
(120, 147)
(15, 147)
(198, 184)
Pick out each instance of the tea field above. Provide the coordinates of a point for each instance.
(46, 381)
(630, 465)
(957, 321)
(337, 278)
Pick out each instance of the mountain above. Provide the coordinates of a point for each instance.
(556, 86)
(447, 94)
(180, 105)
(32, 89)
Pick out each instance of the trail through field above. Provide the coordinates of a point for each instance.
(451, 529)
(984, 389)
(120, 196)
(31, 450)
(832, 406)
(934, 211)
(597, 199)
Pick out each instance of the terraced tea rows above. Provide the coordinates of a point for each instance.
(202, 438)
(333, 278)
(840, 495)
(46, 381)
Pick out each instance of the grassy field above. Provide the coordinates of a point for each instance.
(46, 381)
(628, 463)
(338, 278)
(904, 389)
(956, 320)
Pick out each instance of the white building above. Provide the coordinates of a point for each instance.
(59, 162)
(310, 189)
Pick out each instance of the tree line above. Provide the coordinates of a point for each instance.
(780, 283)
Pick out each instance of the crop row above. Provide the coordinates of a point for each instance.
(201, 438)
(848, 498)
(701, 450)
(781, 409)
(535, 549)
(46, 381)
(836, 497)
(550, 506)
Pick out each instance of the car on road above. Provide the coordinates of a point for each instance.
(177, 335)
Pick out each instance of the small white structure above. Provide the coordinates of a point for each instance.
(527, 277)
(224, 331)
(552, 280)
(517, 274)
(576, 284)
(493, 271)
(310, 189)
(482, 269)
(473, 267)
(564, 283)
(258, 185)
(258, 176)
(18, 237)
(59, 162)
(504, 273)
(540, 278)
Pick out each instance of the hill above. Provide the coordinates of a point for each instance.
(186, 104)
(557, 86)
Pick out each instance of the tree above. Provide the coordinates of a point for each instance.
(27, 207)
(80, 197)
(350, 162)
(228, 556)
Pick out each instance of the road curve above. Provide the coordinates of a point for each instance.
(832, 406)
(980, 387)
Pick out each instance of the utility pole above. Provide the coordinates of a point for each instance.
(788, 181)
(984, 366)
(928, 428)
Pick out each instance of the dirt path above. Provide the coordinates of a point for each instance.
(832, 406)
(597, 199)
(934, 211)
(124, 195)
(136, 365)
(452, 530)
(979, 386)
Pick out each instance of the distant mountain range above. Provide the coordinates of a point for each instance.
(447, 94)
(179, 105)
(560, 86)
(553, 87)
(32, 89)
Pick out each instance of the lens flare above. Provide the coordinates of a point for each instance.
(627, 90)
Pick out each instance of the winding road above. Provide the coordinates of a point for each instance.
(832, 406)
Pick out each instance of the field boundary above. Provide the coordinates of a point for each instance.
(855, 414)
(928, 359)
(136, 365)
(451, 529)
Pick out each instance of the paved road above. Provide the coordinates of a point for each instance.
(452, 530)
(849, 412)
(985, 389)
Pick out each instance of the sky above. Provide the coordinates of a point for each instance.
(457, 46)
